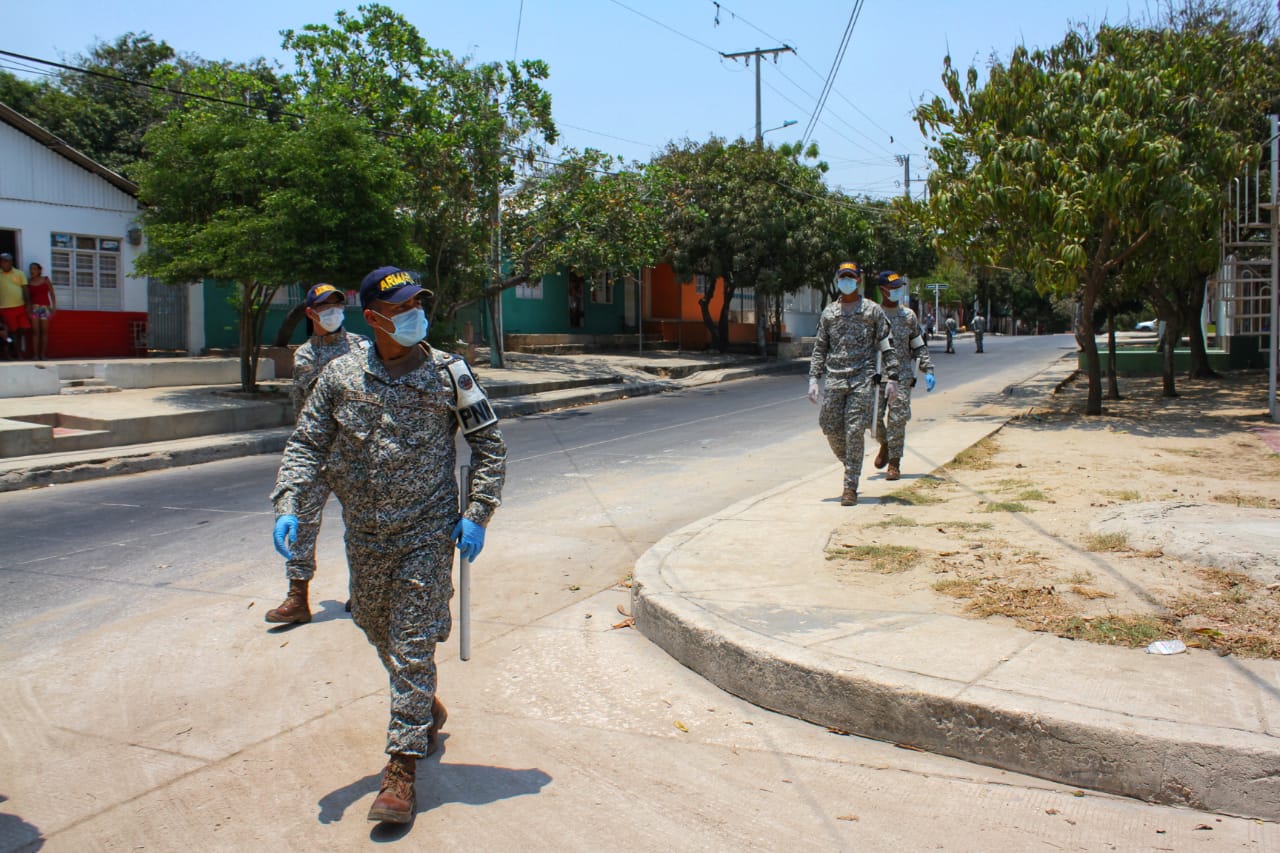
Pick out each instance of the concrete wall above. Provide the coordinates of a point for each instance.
(28, 380)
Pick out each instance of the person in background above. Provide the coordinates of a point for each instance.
(951, 328)
(326, 309)
(44, 304)
(979, 326)
(13, 306)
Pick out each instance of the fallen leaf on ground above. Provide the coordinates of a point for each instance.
(910, 747)
(251, 603)
(681, 726)
(625, 623)
(1204, 826)
(1052, 811)
(623, 610)
(847, 817)
(836, 731)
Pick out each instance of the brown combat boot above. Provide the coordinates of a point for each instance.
(396, 799)
(893, 473)
(883, 456)
(849, 498)
(439, 713)
(294, 608)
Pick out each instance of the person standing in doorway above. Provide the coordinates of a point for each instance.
(44, 304)
(14, 302)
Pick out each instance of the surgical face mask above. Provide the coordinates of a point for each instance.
(331, 318)
(411, 326)
(847, 285)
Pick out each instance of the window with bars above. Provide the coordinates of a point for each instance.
(602, 288)
(743, 307)
(85, 271)
(701, 284)
(530, 290)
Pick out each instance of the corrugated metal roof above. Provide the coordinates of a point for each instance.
(17, 120)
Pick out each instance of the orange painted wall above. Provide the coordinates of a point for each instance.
(675, 314)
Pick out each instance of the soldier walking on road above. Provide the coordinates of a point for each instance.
(979, 326)
(325, 307)
(952, 328)
(910, 347)
(852, 331)
(381, 424)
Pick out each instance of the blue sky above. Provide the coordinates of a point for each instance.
(627, 76)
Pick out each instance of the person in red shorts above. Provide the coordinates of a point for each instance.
(13, 305)
(43, 305)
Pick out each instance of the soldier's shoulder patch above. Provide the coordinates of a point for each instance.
(465, 382)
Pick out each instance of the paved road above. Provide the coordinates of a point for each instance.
(154, 710)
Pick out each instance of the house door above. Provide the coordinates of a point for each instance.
(166, 316)
(9, 243)
(577, 308)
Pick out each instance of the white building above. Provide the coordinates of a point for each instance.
(77, 219)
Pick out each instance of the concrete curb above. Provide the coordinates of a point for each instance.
(135, 459)
(1164, 761)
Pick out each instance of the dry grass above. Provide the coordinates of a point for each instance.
(1091, 593)
(882, 559)
(895, 521)
(1106, 541)
(1006, 506)
(919, 493)
(1123, 494)
(979, 457)
(1254, 501)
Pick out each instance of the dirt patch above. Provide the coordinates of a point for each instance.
(1008, 530)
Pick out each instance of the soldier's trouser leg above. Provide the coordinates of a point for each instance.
(897, 414)
(400, 591)
(302, 565)
(844, 418)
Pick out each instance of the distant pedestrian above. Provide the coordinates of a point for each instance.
(44, 304)
(380, 424)
(910, 347)
(325, 307)
(979, 327)
(852, 331)
(14, 300)
(951, 328)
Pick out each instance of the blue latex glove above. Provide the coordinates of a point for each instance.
(470, 538)
(929, 382)
(286, 534)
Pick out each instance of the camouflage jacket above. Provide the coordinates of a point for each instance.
(387, 448)
(847, 343)
(908, 342)
(310, 358)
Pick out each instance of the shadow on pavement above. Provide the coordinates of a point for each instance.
(439, 783)
(16, 835)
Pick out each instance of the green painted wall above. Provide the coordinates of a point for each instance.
(222, 319)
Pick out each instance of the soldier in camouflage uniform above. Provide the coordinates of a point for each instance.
(325, 307)
(381, 425)
(910, 347)
(851, 331)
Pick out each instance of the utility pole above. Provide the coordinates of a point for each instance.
(904, 160)
(757, 53)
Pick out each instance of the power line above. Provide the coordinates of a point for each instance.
(607, 135)
(664, 26)
(166, 89)
(854, 13)
(853, 127)
(515, 52)
(721, 7)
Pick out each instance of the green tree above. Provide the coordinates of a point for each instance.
(265, 204)
(1067, 161)
(586, 213)
(458, 129)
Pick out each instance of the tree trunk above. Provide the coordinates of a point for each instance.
(1169, 342)
(248, 340)
(291, 320)
(704, 305)
(1113, 386)
(1087, 339)
(724, 315)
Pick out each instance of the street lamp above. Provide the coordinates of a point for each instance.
(786, 123)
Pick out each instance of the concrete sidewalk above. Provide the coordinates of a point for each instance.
(746, 599)
(71, 437)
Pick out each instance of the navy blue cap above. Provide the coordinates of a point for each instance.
(390, 284)
(321, 292)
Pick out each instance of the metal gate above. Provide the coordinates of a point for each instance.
(167, 316)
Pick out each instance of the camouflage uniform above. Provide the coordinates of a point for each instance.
(979, 327)
(308, 361)
(908, 345)
(845, 352)
(386, 446)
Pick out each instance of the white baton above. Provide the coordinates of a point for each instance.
(464, 575)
